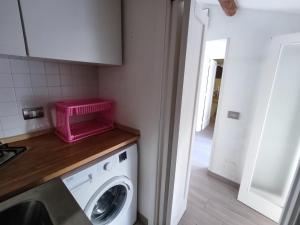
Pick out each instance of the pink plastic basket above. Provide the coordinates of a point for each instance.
(92, 116)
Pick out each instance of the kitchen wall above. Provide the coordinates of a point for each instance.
(249, 33)
(136, 87)
(30, 83)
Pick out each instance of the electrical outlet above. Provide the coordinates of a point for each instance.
(33, 113)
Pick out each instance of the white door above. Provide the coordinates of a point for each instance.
(274, 147)
(188, 78)
(210, 82)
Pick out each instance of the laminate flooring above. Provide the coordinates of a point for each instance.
(211, 201)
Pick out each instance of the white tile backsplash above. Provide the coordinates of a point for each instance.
(38, 80)
(23, 93)
(66, 79)
(55, 91)
(32, 83)
(6, 80)
(37, 67)
(53, 80)
(4, 66)
(40, 92)
(19, 66)
(65, 69)
(10, 122)
(8, 109)
(52, 68)
(7, 95)
(67, 91)
(21, 80)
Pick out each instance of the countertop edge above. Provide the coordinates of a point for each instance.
(60, 172)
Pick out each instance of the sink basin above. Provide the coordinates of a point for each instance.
(26, 213)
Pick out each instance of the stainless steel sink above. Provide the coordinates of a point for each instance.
(26, 213)
(48, 204)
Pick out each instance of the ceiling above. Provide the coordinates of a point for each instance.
(290, 6)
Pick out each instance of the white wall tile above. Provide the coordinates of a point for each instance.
(9, 122)
(53, 80)
(67, 91)
(65, 69)
(78, 80)
(6, 80)
(76, 92)
(37, 67)
(1, 132)
(52, 68)
(8, 108)
(4, 66)
(54, 91)
(7, 95)
(21, 80)
(66, 79)
(40, 92)
(38, 80)
(19, 66)
(23, 93)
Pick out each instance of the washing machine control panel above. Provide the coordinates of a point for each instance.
(123, 157)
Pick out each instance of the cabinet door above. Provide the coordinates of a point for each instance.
(11, 36)
(81, 30)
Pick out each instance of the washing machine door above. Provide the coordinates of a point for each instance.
(110, 201)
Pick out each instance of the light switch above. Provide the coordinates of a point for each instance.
(233, 115)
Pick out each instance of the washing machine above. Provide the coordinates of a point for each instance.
(106, 190)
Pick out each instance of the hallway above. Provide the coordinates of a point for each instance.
(211, 201)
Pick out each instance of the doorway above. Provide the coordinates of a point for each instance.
(195, 194)
(208, 101)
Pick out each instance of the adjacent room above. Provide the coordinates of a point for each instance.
(236, 48)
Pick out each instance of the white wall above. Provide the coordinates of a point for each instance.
(31, 83)
(249, 33)
(136, 87)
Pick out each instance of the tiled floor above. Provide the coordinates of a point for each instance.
(213, 202)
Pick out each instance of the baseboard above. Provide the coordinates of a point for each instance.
(141, 219)
(223, 179)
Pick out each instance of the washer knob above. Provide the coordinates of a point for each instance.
(107, 166)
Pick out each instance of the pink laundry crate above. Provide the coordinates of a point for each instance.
(78, 119)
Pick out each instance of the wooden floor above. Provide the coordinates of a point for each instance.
(211, 201)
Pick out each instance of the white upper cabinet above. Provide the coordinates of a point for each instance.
(80, 30)
(11, 34)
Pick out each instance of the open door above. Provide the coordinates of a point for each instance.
(274, 148)
(209, 91)
(194, 22)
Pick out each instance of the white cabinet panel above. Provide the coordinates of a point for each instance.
(81, 30)
(11, 34)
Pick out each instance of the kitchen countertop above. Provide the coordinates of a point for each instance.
(60, 204)
(48, 157)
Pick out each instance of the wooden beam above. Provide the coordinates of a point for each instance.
(228, 6)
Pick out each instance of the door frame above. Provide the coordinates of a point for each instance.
(212, 93)
(171, 99)
(220, 101)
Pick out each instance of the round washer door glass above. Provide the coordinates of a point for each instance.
(109, 205)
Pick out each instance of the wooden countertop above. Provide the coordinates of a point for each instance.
(48, 157)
